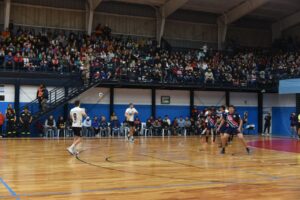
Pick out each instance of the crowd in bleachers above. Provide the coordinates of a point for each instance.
(102, 56)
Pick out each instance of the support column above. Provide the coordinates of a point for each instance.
(66, 105)
(90, 21)
(111, 100)
(153, 102)
(192, 102)
(222, 31)
(90, 6)
(227, 98)
(297, 103)
(7, 4)
(17, 98)
(260, 112)
(160, 25)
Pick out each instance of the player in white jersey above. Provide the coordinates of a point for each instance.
(129, 114)
(76, 115)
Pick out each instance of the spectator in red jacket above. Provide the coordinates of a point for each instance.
(19, 63)
(2, 118)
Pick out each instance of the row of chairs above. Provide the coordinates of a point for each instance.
(122, 131)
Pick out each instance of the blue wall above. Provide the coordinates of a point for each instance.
(172, 111)
(280, 115)
(281, 120)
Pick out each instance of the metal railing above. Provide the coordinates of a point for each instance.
(58, 96)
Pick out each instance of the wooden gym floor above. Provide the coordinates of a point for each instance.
(151, 168)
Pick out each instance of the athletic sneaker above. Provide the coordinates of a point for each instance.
(248, 151)
(70, 150)
(222, 151)
(263, 134)
(131, 139)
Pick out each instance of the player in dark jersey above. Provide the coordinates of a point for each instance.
(222, 115)
(235, 124)
(211, 125)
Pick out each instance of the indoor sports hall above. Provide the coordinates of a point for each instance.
(150, 99)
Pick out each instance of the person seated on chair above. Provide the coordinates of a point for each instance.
(149, 123)
(198, 126)
(113, 117)
(115, 125)
(50, 124)
(137, 125)
(61, 125)
(9, 61)
(95, 126)
(156, 128)
(87, 126)
(193, 123)
(175, 126)
(104, 129)
(166, 123)
(188, 126)
(181, 125)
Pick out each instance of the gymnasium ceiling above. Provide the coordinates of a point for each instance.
(271, 11)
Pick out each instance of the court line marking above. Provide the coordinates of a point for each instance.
(10, 190)
(116, 189)
(130, 172)
(272, 177)
(249, 181)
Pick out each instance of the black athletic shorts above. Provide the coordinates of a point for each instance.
(77, 131)
(130, 124)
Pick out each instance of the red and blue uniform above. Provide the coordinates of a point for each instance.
(211, 121)
(223, 128)
(233, 123)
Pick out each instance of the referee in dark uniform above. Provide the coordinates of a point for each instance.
(25, 121)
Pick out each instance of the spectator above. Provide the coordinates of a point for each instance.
(2, 119)
(95, 126)
(175, 126)
(61, 126)
(157, 128)
(188, 126)
(149, 123)
(198, 127)
(294, 121)
(50, 126)
(10, 107)
(9, 61)
(87, 127)
(25, 122)
(115, 125)
(209, 77)
(137, 125)
(113, 117)
(267, 124)
(166, 123)
(19, 63)
(11, 122)
(181, 126)
(42, 96)
(104, 129)
(195, 113)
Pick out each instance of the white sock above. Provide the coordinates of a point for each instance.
(72, 146)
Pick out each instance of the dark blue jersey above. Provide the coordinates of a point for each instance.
(233, 120)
